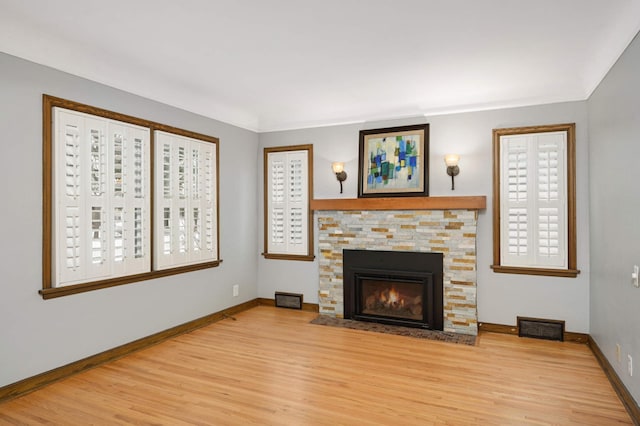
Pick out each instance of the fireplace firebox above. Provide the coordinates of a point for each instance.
(394, 287)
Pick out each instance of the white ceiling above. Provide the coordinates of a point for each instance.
(281, 64)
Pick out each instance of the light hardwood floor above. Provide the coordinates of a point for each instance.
(270, 366)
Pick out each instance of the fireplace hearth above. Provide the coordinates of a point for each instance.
(394, 287)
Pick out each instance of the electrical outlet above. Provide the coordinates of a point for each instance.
(236, 290)
(618, 352)
(630, 365)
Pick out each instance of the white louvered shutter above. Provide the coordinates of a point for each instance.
(100, 225)
(96, 199)
(533, 200)
(69, 232)
(287, 217)
(551, 220)
(277, 206)
(167, 202)
(202, 207)
(130, 213)
(185, 198)
(517, 214)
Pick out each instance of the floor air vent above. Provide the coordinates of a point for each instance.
(288, 300)
(541, 328)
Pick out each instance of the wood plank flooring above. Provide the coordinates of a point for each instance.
(271, 367)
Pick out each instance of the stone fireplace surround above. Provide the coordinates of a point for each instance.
(428, 224)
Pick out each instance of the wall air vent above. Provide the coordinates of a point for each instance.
(541, 328)
(288, 300)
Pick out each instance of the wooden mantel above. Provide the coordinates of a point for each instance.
(478, 202)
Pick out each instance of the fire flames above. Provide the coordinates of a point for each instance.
(391, 298)
(390, 301)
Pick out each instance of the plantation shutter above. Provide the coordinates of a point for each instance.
(100, 194)
(533, 200)
(552, 200)
(97, 245)
(69, 229)
(287, 202)
(129, 199)
(185, 197)
(202, 210)
(518, 236)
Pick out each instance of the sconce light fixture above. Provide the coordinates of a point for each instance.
(451, 160)
(341, 175)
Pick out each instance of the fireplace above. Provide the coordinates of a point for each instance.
(394, 287)
(450, 232)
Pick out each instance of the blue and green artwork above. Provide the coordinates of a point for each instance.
(394, 162)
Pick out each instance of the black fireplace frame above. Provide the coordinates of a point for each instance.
(402, 266)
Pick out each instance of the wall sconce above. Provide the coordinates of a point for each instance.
(451, 160)
(341, 175)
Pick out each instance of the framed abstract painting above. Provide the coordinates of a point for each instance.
(394, 162)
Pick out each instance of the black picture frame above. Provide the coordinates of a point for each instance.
(394, 162)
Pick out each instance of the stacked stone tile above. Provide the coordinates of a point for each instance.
(451, 232)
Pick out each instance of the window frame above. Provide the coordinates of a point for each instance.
(309, 256)
(48, 291)
(571, 271)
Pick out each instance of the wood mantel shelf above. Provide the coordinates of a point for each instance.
(478, 202)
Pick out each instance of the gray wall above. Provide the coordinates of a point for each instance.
(37, 335)
(614, 133)
(501, 297)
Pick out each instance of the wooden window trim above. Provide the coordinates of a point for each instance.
(48, 291)
(303, 258)
(309, 257)
(571, 271)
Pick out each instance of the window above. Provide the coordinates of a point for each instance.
(100, 225)
(97, 212)
(534, 200)
(288, 228)
(185, 201)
